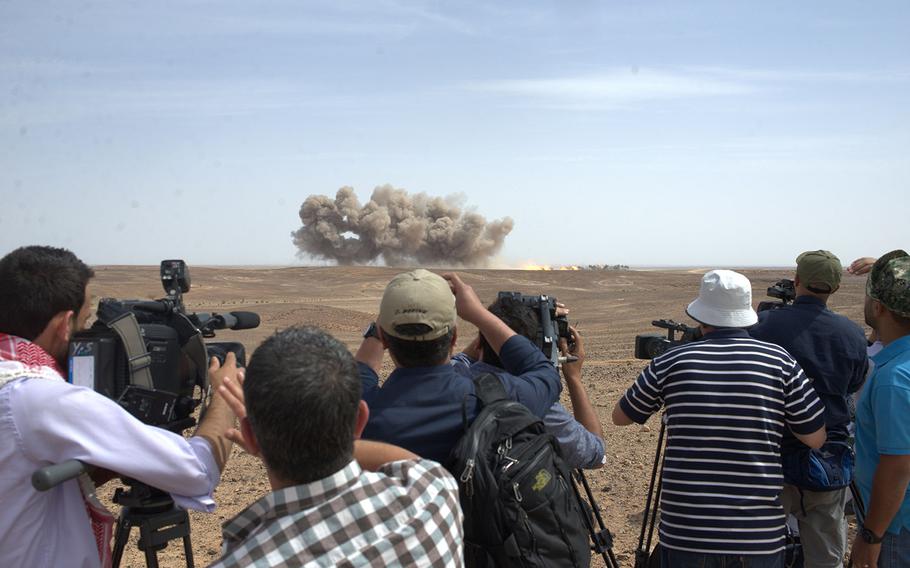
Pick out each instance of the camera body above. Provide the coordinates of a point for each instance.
(651, 345)
(784, 290)
(150, 356)
(552, 328)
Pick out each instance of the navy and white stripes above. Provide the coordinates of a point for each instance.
(728, 399)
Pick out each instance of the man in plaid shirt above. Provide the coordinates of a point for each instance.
(335, 501)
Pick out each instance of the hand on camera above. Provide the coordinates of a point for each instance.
(218, 372)
(572, 370)
(472, 350)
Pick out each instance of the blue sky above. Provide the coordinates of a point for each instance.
(683, 133)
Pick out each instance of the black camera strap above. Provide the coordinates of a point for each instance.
(127, 328)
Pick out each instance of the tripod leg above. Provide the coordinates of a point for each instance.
(121, 535)
(151, 558)
(188, 551)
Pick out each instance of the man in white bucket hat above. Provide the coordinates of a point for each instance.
(727, 399)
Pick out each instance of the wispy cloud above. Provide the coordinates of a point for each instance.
(623, 87)
(617, 87)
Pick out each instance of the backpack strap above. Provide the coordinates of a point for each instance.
(489, 388)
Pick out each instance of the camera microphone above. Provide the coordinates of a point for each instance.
(241, 320)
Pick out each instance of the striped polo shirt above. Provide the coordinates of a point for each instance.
(728, 399)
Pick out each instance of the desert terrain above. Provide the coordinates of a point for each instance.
(608, 307)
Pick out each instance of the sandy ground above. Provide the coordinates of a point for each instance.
(609, 308)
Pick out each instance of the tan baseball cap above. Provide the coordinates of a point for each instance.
(819, 269)
(417, 297)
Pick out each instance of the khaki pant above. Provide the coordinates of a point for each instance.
(822, 526)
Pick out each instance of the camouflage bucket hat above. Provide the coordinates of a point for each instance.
(889, 282)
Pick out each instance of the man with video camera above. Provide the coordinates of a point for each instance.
(831, 350)
(419, 407)
(580, 436)
(728, 399)
(44, 299)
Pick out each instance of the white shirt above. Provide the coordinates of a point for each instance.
(43, 422)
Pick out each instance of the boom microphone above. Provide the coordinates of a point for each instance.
(241, 320)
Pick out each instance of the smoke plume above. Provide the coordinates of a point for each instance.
(397, 227)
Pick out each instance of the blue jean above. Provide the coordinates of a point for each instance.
(678, 559)
(895, 550)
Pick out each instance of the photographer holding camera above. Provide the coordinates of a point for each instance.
(831, 350)
(580, 436)
(728, 399)
(44, 299)
(419, 407)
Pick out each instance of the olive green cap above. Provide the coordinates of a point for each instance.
(819, 270)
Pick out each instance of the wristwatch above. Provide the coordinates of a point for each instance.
(371, 331)
(869, 537)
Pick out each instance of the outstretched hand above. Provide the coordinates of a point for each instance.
(231, 391)
(861, 265)
(467, 304)
(577, 349)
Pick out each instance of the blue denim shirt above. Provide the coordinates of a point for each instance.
(829, 347)
(426, 409)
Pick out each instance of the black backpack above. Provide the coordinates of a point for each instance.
(519, 506)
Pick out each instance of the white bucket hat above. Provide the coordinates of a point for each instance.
(724, 300)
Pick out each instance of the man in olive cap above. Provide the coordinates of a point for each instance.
(831, 349)
(883, 421)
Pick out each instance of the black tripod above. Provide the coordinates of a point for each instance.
(601, 538)
(150, 509)
(158, 519)
(643, 554)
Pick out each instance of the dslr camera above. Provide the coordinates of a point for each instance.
(650, 345)
(552, 328)
(784, 290)
(149, 355)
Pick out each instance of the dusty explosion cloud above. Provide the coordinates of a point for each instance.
(397, 227)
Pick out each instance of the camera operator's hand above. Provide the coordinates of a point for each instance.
(861, 265)
(232, 393)
(581, 405)
(218, 372)
(561, 309)
(573, 370)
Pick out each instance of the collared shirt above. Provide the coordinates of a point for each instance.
(728, 399)
(831, 350)
(49, 421)
(405, 514)
(883, 420)
(579, 447)
(426, 409)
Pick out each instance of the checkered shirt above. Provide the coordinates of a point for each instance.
(406, 514)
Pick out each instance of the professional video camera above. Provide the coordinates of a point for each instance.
(149, 355)
(784, 290)
(650, 345)
(552, 328)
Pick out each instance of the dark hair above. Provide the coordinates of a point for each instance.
(37, 283)
(430, 353)
(302, 392)
(521, 318)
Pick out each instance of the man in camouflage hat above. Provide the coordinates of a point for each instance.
(831, 349)
(883, 421)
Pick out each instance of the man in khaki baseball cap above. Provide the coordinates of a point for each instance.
(419, 406)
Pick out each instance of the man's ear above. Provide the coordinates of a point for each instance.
(363, 414)
(251, 442)
(64, 323)
(796, 281)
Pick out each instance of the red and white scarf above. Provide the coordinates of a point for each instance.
(20, 358)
